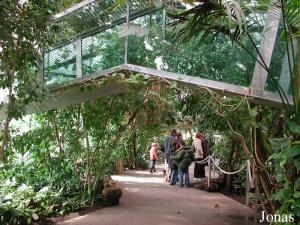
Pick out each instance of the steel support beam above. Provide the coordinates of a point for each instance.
(99, 29)
(266, 49)
(285, 77)
(73, 8)
(79, 58)
(126, 38)
(164, 27)
(42, 68)
(263, 97)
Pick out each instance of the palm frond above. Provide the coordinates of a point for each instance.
(292, 15)
(228, 17)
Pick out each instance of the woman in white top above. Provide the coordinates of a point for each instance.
(199, 169)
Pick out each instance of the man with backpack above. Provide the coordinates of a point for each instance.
(183, 159)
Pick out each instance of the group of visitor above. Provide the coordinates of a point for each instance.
(181, 157)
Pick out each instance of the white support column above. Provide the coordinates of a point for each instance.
(78, 58)
(209, 173)
(126, 38)
(266, 50)
(41, 74)
(248, 175)
(164, 25)
(214, 168)
(256, 196)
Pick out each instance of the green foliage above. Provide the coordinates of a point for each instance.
(287, 157)
(24, 32)
(22, 204)
(237, 21)
(66, 152)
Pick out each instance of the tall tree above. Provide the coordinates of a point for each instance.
(24, 32)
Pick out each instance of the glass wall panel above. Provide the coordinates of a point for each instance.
(277, 63)
(60, 64)
(151, 44)
(101, 51)
(219, 59)
(145, 45)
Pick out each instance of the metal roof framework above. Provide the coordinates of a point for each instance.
(93, 16)
(75, 17)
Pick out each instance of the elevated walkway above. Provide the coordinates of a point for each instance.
(135, 38)
(71, 92)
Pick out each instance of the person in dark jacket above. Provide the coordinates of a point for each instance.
(170, 147)
(183, 159)
(205, 146)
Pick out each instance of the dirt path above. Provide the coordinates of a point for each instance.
(148, 200)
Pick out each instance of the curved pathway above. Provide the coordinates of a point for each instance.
(148, 200)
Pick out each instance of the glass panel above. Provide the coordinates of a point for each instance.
(217, 60)
(147, 50)
(60, 64)
(277, 61)
(101, 51)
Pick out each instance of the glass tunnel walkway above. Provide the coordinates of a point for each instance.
(97, 38)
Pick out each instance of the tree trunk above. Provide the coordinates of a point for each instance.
(229, 168)
(57, 137)
(5, 132)
(134, 144)
(296, 84)
(88, 155)
(78, 140)
(260, 160)
(123, 128)
(97, 147)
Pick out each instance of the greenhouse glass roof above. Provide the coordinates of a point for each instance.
(100, 37)
(93, 16)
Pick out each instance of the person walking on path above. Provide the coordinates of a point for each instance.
(205, 146)
(170, 147)
(199, 169)
(153, 157)
(183, 158)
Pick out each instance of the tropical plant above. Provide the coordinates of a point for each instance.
(239, 20)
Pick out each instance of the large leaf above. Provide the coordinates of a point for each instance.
(294, 151)
(297, 183)
(279, 143)
(293, 127)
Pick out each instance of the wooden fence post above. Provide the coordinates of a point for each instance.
(209, 173)
(248, 171)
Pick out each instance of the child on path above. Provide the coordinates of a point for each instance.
(153, 157)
